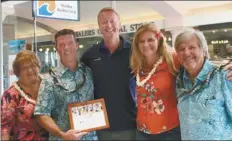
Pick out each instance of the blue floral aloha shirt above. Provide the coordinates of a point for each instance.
(205, 114)
(55, 95)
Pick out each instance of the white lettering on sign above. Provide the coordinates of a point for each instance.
(66, 10)
(96, 32)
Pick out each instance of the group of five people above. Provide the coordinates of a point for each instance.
(150, 92)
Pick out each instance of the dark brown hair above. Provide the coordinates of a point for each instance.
(64, 32)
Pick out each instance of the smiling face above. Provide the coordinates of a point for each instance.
(148, 44)
(66, 47)
(109, 24)
(190, 54)
(29, 72)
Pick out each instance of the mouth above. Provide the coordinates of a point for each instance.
(67, 52)
(189, 59)
(110, 31)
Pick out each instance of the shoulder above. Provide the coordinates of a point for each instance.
(92, 49)
(47, 78)
(86, 68)
(90, 53)
(218, 77)
(46, 82)
(10, 92)
(223, 78)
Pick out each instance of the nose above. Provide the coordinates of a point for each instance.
(66, 46)
(145, 44)
(30, 69)
(108, 24)
(186, 52)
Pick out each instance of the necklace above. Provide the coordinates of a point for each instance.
(141, 83)
(22, 93)
(182, 89)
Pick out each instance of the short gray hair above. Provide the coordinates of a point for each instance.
(187, 34)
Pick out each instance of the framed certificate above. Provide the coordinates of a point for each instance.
(88, 116)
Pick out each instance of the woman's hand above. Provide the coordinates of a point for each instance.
(229, 67)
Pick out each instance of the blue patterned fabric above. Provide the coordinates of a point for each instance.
(53, 99)
(205, 114)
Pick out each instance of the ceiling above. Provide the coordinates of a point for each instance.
(129, 11)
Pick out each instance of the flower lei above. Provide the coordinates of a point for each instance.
(22, 92)
(150, 73)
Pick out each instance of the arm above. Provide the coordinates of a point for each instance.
(8, 109)
(48, 123)
(44, 106)
(227, 91)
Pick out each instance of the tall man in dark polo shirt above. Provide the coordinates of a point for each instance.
(109, 61)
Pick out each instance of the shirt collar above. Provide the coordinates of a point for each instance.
(61, 69)
(207, 67)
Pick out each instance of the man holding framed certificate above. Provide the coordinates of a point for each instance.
(70, 82)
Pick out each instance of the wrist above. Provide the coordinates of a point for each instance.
(61, 134)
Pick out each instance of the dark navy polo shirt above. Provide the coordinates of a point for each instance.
(113, 81)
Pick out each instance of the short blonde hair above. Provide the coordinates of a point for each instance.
(136, 60)
(187, 34)
(106, 9)
(22, 57)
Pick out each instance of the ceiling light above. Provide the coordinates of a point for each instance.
(225, 30)
(40, 49)
(47, 49)
(169, 38)
(213, 31)
(81, 46)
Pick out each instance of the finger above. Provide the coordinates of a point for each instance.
(77, 131)
(228, 67)
(80, 134)
(229, 76)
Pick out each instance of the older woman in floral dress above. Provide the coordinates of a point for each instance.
(18, 101)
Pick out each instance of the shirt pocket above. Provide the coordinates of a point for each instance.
(214, 107)
(213, 102)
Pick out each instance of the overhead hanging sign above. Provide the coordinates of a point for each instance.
(56, 9)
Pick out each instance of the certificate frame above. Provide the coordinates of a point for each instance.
(83, 115)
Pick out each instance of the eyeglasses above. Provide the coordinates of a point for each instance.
(27, 67)
(78, 86)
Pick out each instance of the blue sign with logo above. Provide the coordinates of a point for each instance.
(16, 46)
(56, 9)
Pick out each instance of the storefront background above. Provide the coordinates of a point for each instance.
(219, 38)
